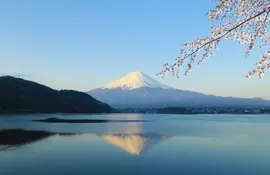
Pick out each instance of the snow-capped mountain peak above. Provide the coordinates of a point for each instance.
(135, 80)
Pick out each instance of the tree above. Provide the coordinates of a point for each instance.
(245, 21)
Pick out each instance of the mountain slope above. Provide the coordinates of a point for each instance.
(158, 95)
(18, 95)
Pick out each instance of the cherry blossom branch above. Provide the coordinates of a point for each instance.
(246, 30)
(228, 31)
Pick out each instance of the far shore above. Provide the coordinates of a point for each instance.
(57, 120)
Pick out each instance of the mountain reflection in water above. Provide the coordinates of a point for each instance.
(134, 143)
(133, 139)
(19, 137)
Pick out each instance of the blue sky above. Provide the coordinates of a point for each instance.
(68, 44)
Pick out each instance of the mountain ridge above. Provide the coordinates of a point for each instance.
(23, 96)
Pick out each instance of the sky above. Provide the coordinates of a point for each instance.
(85, 44)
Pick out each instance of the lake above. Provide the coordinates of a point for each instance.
(168, 144)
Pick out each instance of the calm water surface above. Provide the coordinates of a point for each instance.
(170, 144)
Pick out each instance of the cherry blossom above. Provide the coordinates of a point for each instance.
(243, 21)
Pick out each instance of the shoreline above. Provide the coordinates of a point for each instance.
(58, 120)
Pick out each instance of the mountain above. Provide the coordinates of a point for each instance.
(18, 95)
(138, 90)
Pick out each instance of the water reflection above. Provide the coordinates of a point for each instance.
(129, 136)
(133, 139)
(20, 137)
(134, 143)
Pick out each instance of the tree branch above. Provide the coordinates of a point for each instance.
(220, 37)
